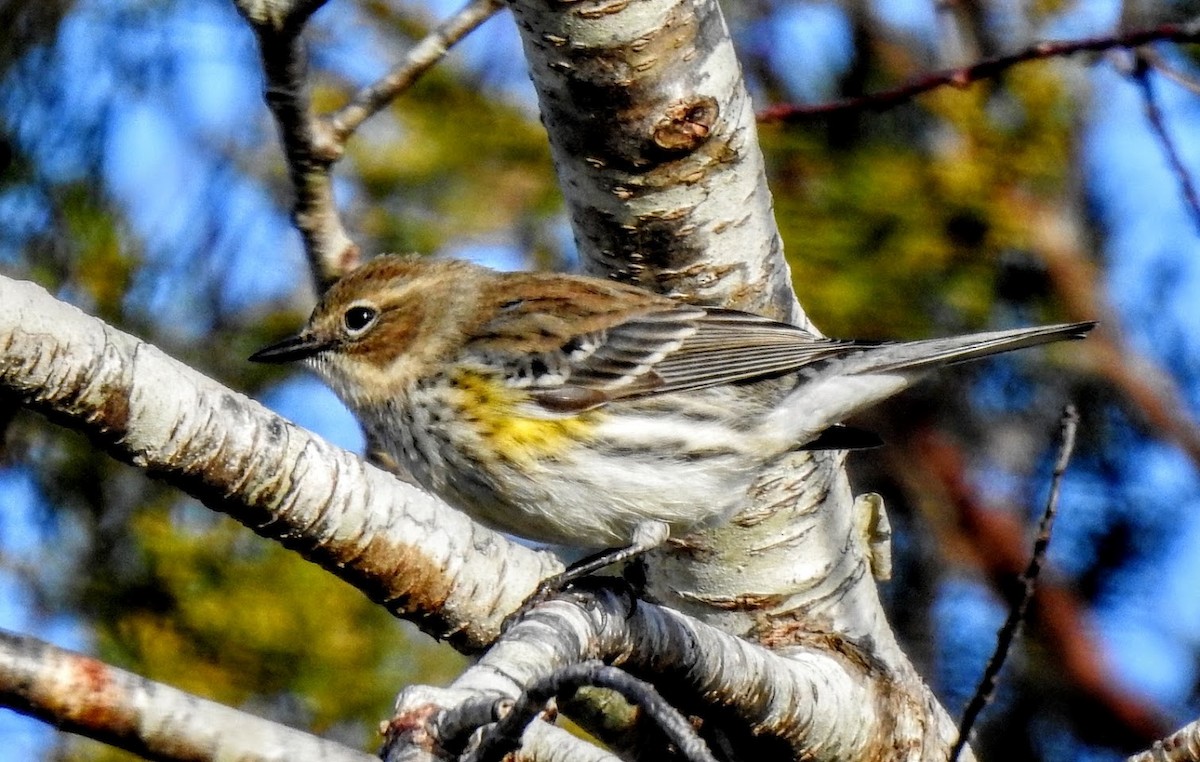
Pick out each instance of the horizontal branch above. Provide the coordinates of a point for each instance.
(399, 545)
(82, 695)
(986, 69)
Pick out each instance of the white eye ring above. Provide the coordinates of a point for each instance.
(358, 319)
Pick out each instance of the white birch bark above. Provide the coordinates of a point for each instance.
(655, 144)
(402, 547)
(83, 695)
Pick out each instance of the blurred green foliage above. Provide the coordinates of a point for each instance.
(899, 234)
(234, 617)
(447, 161)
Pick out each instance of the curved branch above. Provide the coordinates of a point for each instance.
(312, 144)
(505, 736)
(83, 695)
(822, 699)
(307, 145)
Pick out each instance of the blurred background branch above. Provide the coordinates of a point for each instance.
(989, 68)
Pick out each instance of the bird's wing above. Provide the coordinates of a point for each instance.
(577, 345)
(730, 346)
(590, 355)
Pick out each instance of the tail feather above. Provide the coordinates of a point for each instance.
(930, 353)
(848, 384)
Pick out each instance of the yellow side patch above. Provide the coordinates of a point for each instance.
(491, 408)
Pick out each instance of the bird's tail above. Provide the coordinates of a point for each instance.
(932, 353)
(863, 377)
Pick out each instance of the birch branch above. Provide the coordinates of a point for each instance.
(82, 695)
(419, 59)
(312, 145)
(655, 145)
(399, 545)
(826, 699)
(653, 138)
(308, 147)
(1181, 746)
(406, 550)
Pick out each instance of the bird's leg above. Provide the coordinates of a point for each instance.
(646, 536)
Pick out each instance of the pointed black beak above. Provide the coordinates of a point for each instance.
(290, 350)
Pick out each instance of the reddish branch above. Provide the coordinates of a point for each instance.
(986, 69)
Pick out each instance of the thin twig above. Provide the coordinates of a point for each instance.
(308, 152)
(505, 736)
(1170, 70)
(1141, 74)
(1008, 631)
(372, 98)
(962, 77)
(313, 145)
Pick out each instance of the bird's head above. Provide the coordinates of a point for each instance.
(383, 326)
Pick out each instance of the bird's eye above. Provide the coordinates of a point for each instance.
(358, 319)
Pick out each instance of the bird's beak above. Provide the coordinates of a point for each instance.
(289, 350)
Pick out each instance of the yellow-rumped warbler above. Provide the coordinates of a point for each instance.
(585, 412)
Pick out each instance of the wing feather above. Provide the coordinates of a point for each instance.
(579, 343)
(730, 347)
(600, 353)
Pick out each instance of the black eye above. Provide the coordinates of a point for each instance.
(357, 319)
